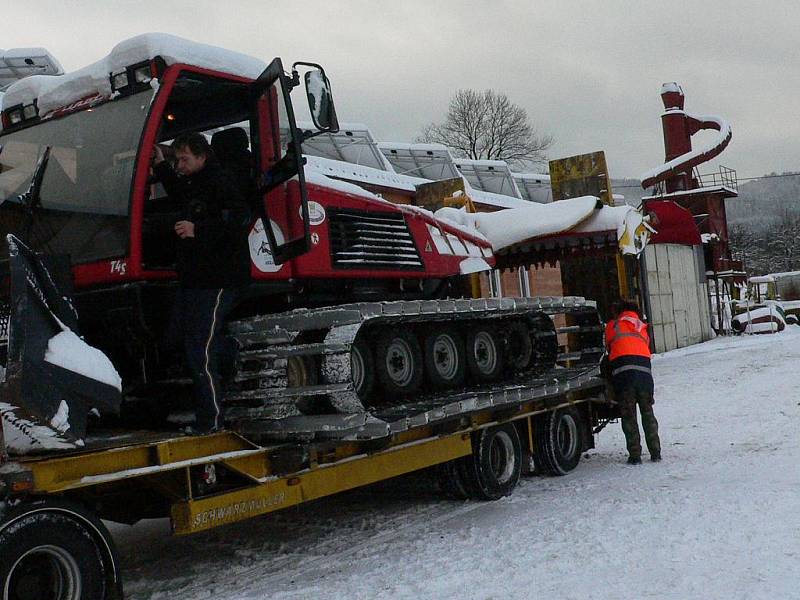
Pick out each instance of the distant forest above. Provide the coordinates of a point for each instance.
(763, 221)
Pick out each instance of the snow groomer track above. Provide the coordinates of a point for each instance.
(334, 349)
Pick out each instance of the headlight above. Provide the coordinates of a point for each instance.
(119, 81)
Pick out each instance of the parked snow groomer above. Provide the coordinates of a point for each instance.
(407, 374)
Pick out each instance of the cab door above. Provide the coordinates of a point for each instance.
(276, 144)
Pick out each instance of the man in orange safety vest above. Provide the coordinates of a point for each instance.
(628, 347)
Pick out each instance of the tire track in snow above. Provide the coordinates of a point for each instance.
(265, 585)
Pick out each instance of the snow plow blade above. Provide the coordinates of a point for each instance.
(48, 389)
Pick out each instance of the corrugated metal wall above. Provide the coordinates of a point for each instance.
(678, 296)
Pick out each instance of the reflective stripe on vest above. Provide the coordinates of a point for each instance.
(619, 370)
(637, 334)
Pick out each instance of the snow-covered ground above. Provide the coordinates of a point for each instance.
(718, 518)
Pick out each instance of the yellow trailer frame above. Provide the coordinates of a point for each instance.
(169, 467)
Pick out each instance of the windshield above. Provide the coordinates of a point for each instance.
(84, 198)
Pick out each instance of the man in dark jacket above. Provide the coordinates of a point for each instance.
(213, 263)
(628, 346)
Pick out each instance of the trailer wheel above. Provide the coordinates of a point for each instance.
(450, 480)
(445, 360)
(56, 551)
(558, 441)
(398, 361)
(485, 355)
(493, 469)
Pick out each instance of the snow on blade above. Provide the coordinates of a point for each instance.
(68, 351)
(24, 435)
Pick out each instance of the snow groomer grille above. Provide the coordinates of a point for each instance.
(364, 240)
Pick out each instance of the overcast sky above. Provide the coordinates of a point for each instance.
(589, 73)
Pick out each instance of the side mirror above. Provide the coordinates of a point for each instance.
(320, 99)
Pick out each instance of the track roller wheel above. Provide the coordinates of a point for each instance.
(493, 469)
(519, 346)
(445, 358)
(558, 441)
(485, 353)
(56, 551)
(398, 362)
(545, 343)
(362, 368)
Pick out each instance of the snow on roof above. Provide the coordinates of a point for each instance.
(431, 161)
(762, 279)
(18, 63)
(534, 187)
(507, 227)
(353, 143)
(492, 199)
(785, 274)
(56, 92)
(489, 175)
(671, 87)
(363, 174)
(360, 173)
(581, 215)
(717, 144)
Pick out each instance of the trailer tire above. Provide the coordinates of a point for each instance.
(450, 480)
(398, 362)
(445, 358)
(558, 441)
(52, 550)
(493, 469)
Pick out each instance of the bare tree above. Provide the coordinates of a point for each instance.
(487, 125)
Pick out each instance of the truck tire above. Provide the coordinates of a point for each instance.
(450, 480)
(485, 353)
(56, 551)
(398, 362)
(445, 358)
(492, 470)
(558, 441)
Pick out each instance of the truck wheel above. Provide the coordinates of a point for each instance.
(558, 441)
(362, 368)
(493, 469)
(56, 551)
(398, 361)
(485, 355)
(445, 360)
(450, 480)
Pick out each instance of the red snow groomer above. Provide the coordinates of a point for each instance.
(354, 301)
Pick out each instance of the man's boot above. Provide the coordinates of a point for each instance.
(634, 460)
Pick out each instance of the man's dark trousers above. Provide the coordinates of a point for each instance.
(632, 393)
(198, 316)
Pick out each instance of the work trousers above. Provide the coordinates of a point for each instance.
(629, 397)
(197, 319)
